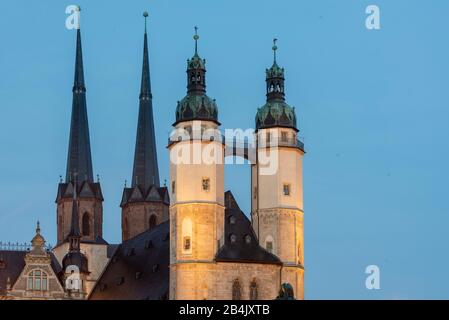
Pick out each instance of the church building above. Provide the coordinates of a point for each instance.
(188, 240)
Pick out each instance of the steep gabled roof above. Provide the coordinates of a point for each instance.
(245, 247)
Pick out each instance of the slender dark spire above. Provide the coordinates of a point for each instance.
(145, 170)
(79, 156)
(75, 234)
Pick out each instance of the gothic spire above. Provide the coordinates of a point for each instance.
(145, 170)
(79, 156)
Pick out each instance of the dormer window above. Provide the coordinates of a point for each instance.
(37, 281)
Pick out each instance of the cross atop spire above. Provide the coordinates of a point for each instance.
(196, 37)
(274, 50)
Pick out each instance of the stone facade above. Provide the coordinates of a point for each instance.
(91, 207)
(140, 216)
(214, 281)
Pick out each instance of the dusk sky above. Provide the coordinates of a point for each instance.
(372, 108)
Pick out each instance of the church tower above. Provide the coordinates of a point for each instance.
(197, 188)
(79, 168)
(277, 192)
(145, 204)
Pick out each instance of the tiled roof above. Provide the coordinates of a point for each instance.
(241, 244)
(139, 268)
(12, 264)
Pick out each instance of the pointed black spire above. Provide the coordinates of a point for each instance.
(79, 156)
(145, 170)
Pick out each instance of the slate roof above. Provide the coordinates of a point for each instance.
(12, 264)
(238, 226)
(84, 190)
(139, 268)
(153, 194)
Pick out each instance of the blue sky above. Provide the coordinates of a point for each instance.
(373, 109)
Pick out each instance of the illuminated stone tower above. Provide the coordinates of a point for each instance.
(277, 193)
(197, 188)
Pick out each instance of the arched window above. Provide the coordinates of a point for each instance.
(236, 290)
(253, 290)
(187, 236)
(37, 281)
(86, 224)
(153, 221)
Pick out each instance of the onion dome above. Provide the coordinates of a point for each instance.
(196, 105)
(275, 112)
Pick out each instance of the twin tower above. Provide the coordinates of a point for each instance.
(208, 259)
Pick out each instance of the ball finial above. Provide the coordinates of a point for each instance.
(145, 14)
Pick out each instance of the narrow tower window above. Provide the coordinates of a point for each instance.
(173, 185)
(187, 243)
(253, 294)
(206, 184)
(186, 236)
(152, 221)
(284, 136)
(86, 224)
(236, 290)
(286, 189)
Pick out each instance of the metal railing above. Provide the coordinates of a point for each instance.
(16, 246)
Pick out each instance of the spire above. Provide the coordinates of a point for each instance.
(74, 235)
(274, 50)
(145, 170)
(79, 156)
(196, 71)
(275, 78)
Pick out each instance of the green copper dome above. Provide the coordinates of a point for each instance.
(196, 107)
(276, 112)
